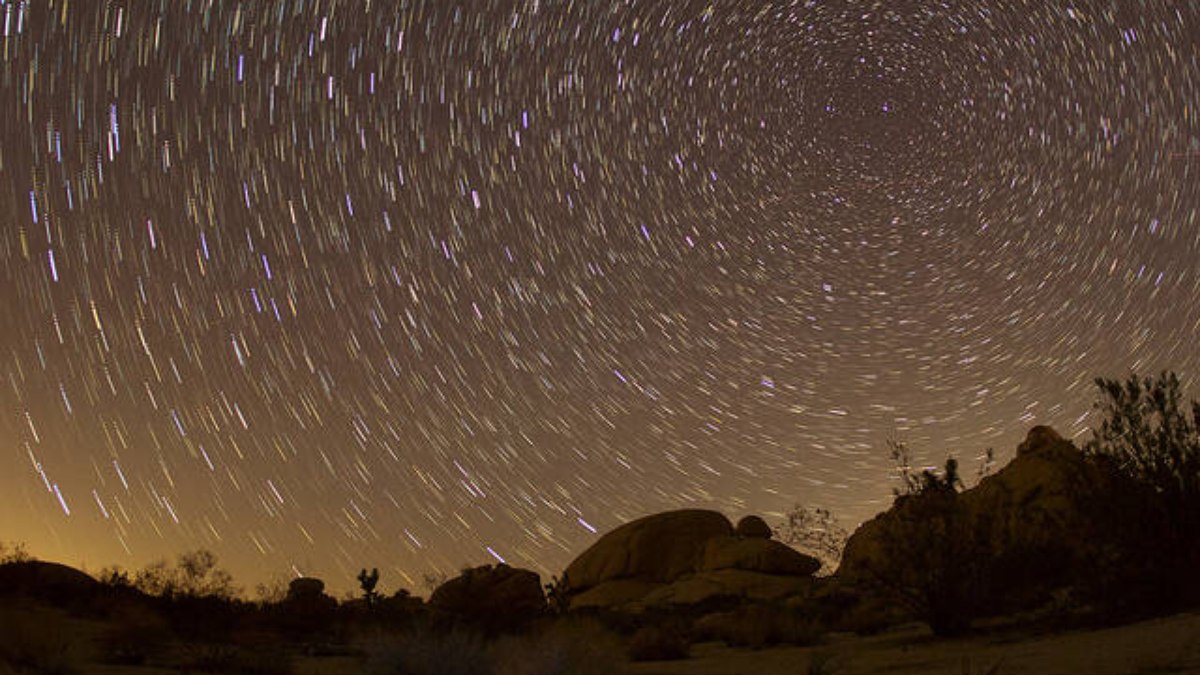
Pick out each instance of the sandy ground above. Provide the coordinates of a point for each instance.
(1170, 645)
(1158, 647)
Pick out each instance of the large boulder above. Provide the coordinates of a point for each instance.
(492, 596)
(686, 557)
(753, 527)
(657, 548)
(307, 611)
(305, 588)
(756, 555)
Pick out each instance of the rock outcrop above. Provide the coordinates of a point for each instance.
(658, 548)
(48, 581)
(753, 527)
(764, 556)
(686, 557)
(1035, 512)
(305, 588)
(494, 597)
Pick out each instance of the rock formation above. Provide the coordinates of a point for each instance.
(305, 588)
(492, 596)
(657, 548)
(686, 557)
(1035, 512)
(48, 581)
(753, 527)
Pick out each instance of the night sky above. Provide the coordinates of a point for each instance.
(326, 284)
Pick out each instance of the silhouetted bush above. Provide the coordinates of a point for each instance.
(938, 558)
(195, 574)
(814, 531)
(667, 641)
(13, 552)
(558, 595)
(1152, 514)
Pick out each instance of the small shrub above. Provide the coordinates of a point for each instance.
(659, 642)
(426, 652)
(558, 595)
(938, 558)
(564, 647)
(814, 531)
(13, 553)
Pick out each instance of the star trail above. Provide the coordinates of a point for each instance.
(326, 284)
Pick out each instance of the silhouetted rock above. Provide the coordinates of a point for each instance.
(756, 555)
(702, 587)
(614, 594)
(304, 588)
(753, 527)
(1036, 512)
(686, 557)
(493, 596)
(659, 548)
(48, 581)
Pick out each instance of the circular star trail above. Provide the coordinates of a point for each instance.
(326, 284)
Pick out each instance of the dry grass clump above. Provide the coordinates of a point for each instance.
(428, 652)
(564, 647)
(39, 640)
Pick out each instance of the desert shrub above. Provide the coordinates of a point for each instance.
(1152, 440)
(134, 635)
(195, 574)
(13, 553)
(666, 641)
(937, 559)
(564, 647)
(271, 592)
(39, 640)
(814, 531)
(427, 652)
(558, 595)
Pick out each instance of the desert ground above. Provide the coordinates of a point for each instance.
(1168, 645)
(1159, 646)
